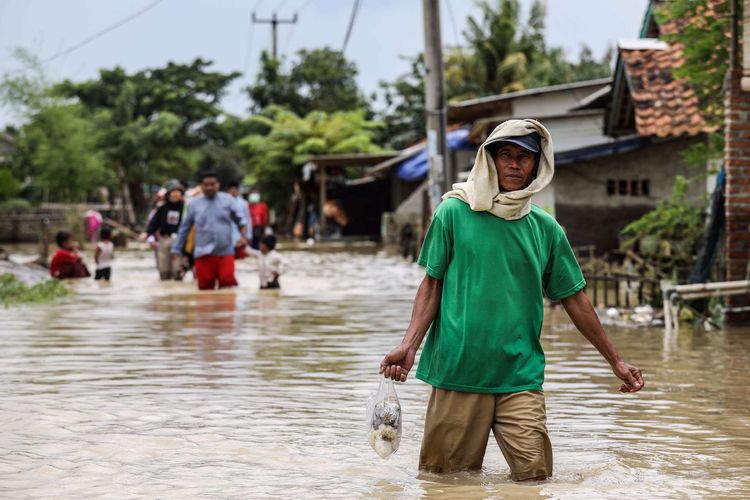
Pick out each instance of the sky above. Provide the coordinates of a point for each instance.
(220, 30)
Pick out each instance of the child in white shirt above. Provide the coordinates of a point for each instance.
(103, 255)
(271, 264)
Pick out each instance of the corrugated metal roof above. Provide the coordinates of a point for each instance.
(529, 92)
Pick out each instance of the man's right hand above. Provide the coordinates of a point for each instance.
(397, 363)
(630, 375)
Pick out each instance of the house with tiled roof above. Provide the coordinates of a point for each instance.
(572, 112)
(651, 117)
(618, 141)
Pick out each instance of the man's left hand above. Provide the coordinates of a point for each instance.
(630, 375)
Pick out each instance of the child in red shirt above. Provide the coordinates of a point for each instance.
(66, 262)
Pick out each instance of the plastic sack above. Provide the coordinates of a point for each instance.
(384, 420)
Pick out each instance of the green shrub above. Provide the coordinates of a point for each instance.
(9, 185)
(13, 291)
(671, 231)
(15, 203)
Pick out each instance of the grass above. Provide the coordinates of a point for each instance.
(13, 291)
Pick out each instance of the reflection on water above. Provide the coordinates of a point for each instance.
(142, 388)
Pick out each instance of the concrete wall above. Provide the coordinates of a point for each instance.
(550, 103)
(593, 217)
(545, 199)
(585, 183)
(576, 131)
(25, 225)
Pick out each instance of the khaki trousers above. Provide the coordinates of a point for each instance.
(168, 263)
(458, 424)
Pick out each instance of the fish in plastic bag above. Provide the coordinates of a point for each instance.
(384, 420)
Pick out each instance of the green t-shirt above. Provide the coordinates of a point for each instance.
(487, 335)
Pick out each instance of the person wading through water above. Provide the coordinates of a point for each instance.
(490, 258)
(162, 229)
(213, 213)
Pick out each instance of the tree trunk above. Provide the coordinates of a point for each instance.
(126, 200)
(138, 199)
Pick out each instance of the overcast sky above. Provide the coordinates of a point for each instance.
(220, 30)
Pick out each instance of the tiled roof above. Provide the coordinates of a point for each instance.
(664, 106)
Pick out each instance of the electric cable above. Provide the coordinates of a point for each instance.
(453, 22)
(91, 38)
(353, 17)
(101, 33)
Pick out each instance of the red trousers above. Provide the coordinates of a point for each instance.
(212, 268)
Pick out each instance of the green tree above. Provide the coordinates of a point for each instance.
(58, 150)
(9, 185)
(288, 141)
(272, 87)
(319, 80)
(512, 55)
(55, 148)
(503, 45)
(503, 54)
(153, 123)
(404, 114)
(554, 68)
(703, 30)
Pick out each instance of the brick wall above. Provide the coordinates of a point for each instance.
(737, 167)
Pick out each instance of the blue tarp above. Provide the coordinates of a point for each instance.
(415, 168)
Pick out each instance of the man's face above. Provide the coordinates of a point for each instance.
(233, 191)
(209, 186)
(175, 195)
(516, 166)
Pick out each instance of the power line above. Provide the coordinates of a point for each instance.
(249, 46)
(355, 8)
(453, 22)
(304, 6)
(288, 39)
(101, 33)
(291, 30)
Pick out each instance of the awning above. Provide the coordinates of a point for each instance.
(415, 168)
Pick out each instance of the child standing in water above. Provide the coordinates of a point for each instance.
(66, 262)
(103, 255)
(271, 264)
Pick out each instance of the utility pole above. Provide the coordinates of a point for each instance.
(435, 103)
(274, 22)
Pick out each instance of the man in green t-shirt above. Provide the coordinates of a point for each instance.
(490, 258)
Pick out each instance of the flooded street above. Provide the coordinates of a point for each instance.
(142, 388)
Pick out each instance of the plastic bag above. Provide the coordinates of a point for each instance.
(384, 420)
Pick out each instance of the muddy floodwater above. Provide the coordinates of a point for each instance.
(138, 388)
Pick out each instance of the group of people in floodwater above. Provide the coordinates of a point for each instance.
(204, 230)
(491, 258)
